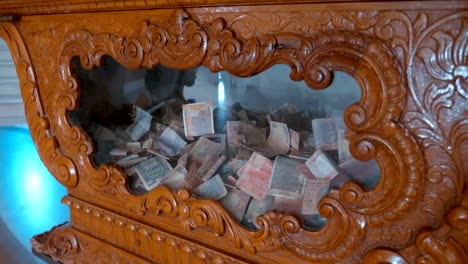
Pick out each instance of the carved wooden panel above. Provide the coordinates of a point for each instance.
(412, 118)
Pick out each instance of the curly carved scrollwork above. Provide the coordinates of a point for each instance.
(382, 58)
(181, 43)
(61, 166)
(59, 243)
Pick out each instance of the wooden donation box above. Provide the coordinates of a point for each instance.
(239, 131)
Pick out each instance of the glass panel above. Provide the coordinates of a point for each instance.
(254, 144)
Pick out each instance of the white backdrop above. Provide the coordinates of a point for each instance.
(11, 104)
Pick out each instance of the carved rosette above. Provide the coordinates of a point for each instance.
(398, 121)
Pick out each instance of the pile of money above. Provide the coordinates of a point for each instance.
(251, 162)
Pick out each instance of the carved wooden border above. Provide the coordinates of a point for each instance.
(398, 120)
(58, 164)
(72, 244)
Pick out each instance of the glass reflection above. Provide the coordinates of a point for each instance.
(254, 144)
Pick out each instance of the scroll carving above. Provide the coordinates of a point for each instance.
(377, 134)
(398, 121)
(61, 166)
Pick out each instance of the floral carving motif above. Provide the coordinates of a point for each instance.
(449, 62)
(398, 121)
(181, 43)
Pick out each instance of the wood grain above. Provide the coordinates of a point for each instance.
(411, 66)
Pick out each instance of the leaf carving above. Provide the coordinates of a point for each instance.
(420, 23)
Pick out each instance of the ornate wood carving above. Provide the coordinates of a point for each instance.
(70, 244)
(412, 68)
(59, 165)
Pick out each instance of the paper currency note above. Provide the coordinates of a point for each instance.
(198, 119)
(321, 166)
(192, 180)
(285, 181)
(140, 125)
(130, 162)
(182, 161)
(209, 166)
(131, 147)
(343, 147)
(238, 130)
(211, 189)
(313, 192)
(294, 139)
(254, 176)
(235, 202)
(230, 180)
(118, 152)
(203, 148)
(278, 140)
(236, 164)
(172, 140)
(178, 126)
(325, 133)
(175, 179)
(244, 153)
(305, 172)
(151, 171)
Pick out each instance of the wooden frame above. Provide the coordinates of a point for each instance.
(412, 69)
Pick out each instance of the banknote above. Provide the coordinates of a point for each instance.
(313, 192)
(172, 140)
(285, 181)
(278, 141)
(209, 166)
(141, 124)
(230, 180)
(211, 189)
(192, 180)
(321, 166)
(175, 179)
(254, 176)
(305, 172)
(325, 133)
(235, 202)
(198, 119)
(294, 139)
(203, 147)
(343, 147)
(151, 171)
(130, 162)
(239, 130)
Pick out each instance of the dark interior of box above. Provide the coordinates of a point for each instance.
(253, 144)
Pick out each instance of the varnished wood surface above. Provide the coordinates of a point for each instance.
(24, 7)
(410, 64)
